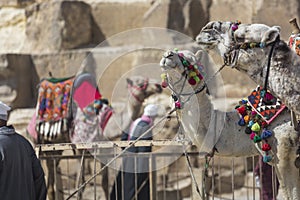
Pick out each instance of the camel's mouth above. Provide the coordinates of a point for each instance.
(207, 43)
(206, 39)
(159, 88)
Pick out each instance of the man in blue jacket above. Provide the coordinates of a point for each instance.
(21, 174)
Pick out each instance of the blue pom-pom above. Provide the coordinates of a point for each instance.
(267, 158)
(266, 134)
(244, 101)
(241, 122)
(250, 123)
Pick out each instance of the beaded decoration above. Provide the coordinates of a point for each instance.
(255, 127)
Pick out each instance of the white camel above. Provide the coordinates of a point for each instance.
(209, 128)
(247, 48)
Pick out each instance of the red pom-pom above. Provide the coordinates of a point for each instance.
(242, 110)
(200, 76)
(192, 81)
(266, 147)
(177, 104)
(164, 84)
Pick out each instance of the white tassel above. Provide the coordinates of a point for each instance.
(55, 131)
(47, 129)
(59, 127)
(51, 131)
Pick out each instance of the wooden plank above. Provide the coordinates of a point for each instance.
(105, 144)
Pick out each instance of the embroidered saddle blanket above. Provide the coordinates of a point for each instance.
(265, 104)
(53, 106)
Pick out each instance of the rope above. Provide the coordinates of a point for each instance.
(122, 152)
(191, 171)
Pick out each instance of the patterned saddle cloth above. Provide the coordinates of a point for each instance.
(53, 106)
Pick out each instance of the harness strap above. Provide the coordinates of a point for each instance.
(269, 63)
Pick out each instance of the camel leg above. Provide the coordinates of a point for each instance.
(54, 182)
(105, 182)
(50, 179)
(288, 173)
(80, 176)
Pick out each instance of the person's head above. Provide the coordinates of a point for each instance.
(3, 113)
(151, 110)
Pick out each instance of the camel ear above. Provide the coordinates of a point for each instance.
(209, 25)
(199, 54)
(271, 35)
(129, 81)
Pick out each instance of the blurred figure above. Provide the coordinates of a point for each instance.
(21, 174)
(135, 177)
(266, 180)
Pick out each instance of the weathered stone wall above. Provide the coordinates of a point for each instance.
(56, 25)
(19, 74)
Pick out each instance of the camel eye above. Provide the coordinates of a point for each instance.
(170, 55)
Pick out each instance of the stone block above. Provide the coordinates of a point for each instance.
(18, 73)
(12, 29)
(64, 64)
(58, 25)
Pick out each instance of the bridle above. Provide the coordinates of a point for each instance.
(188, 67)
(185, 77)
(143, 88)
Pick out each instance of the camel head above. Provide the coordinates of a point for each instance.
(141, 88)
(181, 65)
(230, 39)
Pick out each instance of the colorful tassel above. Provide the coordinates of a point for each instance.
(255, 127)
(252, 135)
(267, 158)
(256, 139)
(266, 147)
(266, 134)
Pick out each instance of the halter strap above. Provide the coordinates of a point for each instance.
(134, 87)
